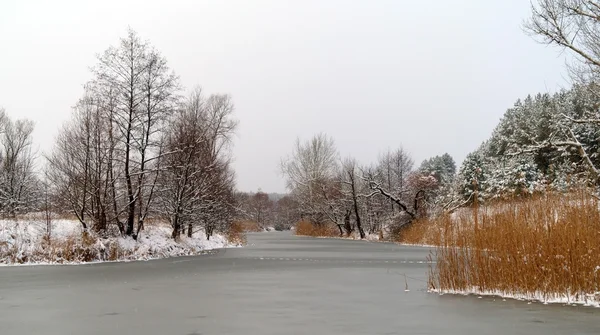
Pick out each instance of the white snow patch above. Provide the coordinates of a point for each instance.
(590, 300)
(370, 238)
(418, 245)
(23, 242)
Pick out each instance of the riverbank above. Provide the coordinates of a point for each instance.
(27, 242)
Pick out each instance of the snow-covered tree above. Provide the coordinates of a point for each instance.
(442, 168)
(514, 176)
(311, 172)
(538, 145)
(196, 181)
(473, 177)
(18, 182)
(574, 25)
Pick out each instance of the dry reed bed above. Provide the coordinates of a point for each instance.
(544, 249)
(306, 228)
(427, 232)
(236, 234)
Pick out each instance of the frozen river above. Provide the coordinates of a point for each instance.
(279, 284)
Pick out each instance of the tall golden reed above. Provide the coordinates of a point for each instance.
(547, 247)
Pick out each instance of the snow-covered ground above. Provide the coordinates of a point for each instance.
(420, 245)
(24, 242)
(354, 236)
(590, 300)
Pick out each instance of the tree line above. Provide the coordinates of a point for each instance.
(546, 142)
(277, 211)
(364, 198)
(135, 148)
(539, 145)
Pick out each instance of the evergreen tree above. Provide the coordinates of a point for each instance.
(443, 168)
(472, 177)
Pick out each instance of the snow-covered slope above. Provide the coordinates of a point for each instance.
(26, 242)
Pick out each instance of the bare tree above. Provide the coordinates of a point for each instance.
(261, 207)
(387, 192)
(393, 171)
(573, 25)
(386, 195)
(81, 163)
(121, 69)
(18, 189)
(390, 181)
(220, 205)
(352, 180)
(135, 149)
(160, 87)
(285, 213)
(145, 93)
(311, 173)
(197, 184)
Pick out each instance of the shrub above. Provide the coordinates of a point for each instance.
(236, 234)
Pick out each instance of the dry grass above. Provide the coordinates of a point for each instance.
(236, 234)
(73, 248)
(422, 232)
(306, 228)
(547, 247)
(250, 226)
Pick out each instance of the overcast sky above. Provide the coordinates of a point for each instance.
(432, 76)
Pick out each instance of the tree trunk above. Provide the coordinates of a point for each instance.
(130, 197)
(189, 232)
(111, 176)
(128, 141)
(101, 221)
(356, 213)
(347, 225)
(85, 174)
(176, 228)
(341, 231)
(209, 231)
